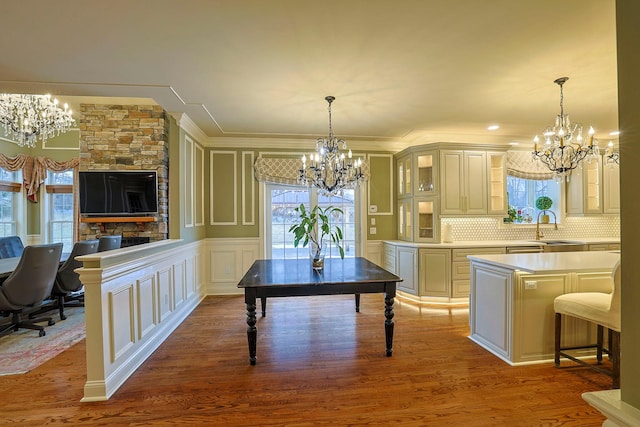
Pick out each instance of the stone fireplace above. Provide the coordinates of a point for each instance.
(126, 137)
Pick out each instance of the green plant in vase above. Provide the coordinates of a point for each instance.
(312, 229)
(544, 203)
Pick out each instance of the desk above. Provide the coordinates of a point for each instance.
(287, 278)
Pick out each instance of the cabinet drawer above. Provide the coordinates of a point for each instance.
(461, 254)
(461, 289)
(461, 270)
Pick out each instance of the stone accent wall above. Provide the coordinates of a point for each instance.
(127, 137)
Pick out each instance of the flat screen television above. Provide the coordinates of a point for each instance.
(118, 193)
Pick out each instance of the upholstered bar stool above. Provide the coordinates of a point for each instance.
(599, 308)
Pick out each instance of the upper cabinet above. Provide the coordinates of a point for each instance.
(594, 188)
(497, 184)
(404, 176)
(464, 182)
(426, 167)
(611, 188)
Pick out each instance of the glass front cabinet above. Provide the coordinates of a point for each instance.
(425, 173)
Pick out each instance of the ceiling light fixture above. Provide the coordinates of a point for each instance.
(564, 147)
(29, 117)
(328, 169)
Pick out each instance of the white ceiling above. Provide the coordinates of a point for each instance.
(403, 72)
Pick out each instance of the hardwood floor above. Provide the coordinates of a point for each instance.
(319, 364)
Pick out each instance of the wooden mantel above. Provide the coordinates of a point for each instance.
(101, 220)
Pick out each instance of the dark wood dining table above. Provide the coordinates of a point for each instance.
(286, 278)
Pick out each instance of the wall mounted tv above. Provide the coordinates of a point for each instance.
(118, 193)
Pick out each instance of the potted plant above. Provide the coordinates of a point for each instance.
(312, 229)
(543, 203)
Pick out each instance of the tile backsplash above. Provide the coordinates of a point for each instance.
(494, 229)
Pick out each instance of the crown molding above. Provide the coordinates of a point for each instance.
(185, 123)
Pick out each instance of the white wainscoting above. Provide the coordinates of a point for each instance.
(226, 261)
(134, 298)
(375, 250)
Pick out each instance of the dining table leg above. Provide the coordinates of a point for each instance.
(252, 331)
(388, 323)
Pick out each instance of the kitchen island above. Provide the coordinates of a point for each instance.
(511, 300)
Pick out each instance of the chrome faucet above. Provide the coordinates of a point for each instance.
(555, 223)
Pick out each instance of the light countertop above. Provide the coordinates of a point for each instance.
(503, 243)
(552, 262)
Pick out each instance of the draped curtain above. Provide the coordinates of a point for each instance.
(521, 165)
(277, 170)
(34, 173)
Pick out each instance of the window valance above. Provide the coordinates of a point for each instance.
(521, 165)
(277, 170)
(34, 170)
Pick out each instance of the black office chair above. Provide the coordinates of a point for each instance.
(29, 286)
(11, 246)
(107, 243)
(67, 289)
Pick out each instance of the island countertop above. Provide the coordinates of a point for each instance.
(552, 262)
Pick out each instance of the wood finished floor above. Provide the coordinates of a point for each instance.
(319, 364)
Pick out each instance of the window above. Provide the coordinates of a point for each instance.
(523, 194)
(281, 203)
(10, 189)
(60, 208)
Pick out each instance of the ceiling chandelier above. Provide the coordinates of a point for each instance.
(26, 118)
(564, 146)
(328, 169)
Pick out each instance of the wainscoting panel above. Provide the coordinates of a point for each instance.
(228, 260)
(374, 251)
(122, 320)
(147, 313)
(134, 298)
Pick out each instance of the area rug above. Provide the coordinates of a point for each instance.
(24, 350)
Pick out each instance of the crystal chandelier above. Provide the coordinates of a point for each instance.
(328, 169)
(611, 154)
(564, 147)
(26, 118)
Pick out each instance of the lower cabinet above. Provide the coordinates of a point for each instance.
(432, 274)
(435, 272)
(406, 263)
(604, 246)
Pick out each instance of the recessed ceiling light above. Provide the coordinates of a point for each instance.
(614, 133)
(493, 127)
(514, 143)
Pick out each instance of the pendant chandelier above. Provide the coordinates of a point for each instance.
(329, 169)
(564, 146)
(26, 118)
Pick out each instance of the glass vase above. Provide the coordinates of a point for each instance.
(316, 253)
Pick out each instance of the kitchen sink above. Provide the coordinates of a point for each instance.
(562, 246)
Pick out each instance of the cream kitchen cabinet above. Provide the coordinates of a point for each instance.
(464, 182)
(511, 301)
(611, 188)
(594, 188)
(435, 272)
(604, 246)
(473, 182)
(497, 203)
(418, 220)
(406, 265)
(437, 275)
(460, 268)
(404, 168)
(425, 165)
